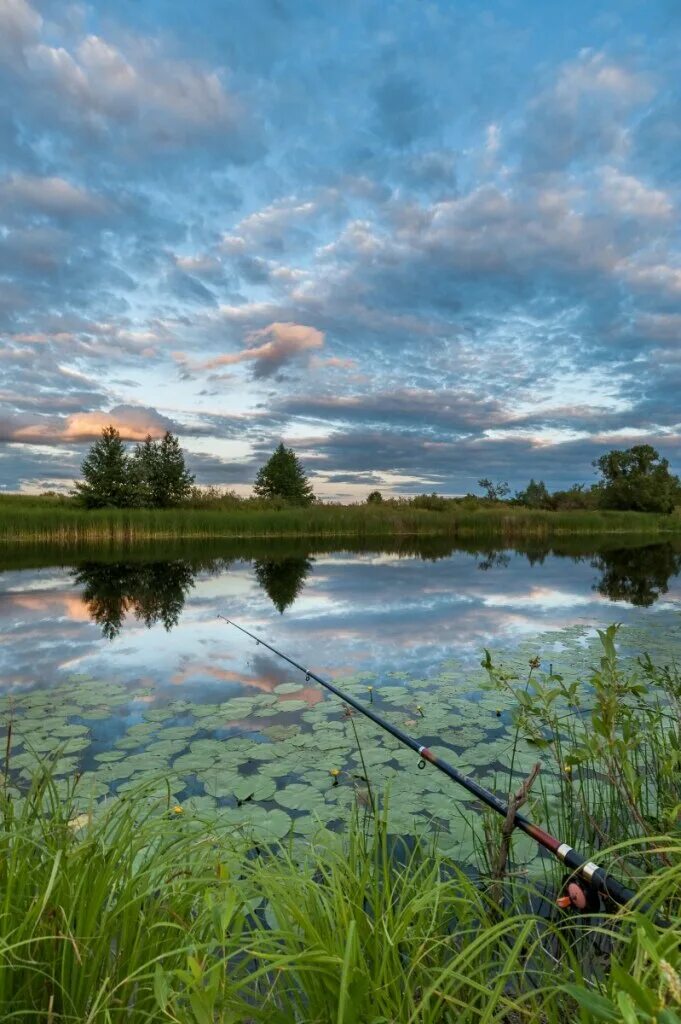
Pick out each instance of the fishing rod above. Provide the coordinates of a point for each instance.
(593, 875)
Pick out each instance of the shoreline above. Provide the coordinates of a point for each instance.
(30, 522)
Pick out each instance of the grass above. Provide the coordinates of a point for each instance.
(40, 520)
(134, 912)
(134, 915)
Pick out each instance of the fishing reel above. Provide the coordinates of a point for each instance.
(579, 895)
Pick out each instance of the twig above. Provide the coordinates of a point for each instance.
(514, 804)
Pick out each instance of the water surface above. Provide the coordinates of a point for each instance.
(121, 661)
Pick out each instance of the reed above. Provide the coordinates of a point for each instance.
(47, 521)
(134, 914)
(130, 911)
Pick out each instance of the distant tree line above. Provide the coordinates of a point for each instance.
(154, 475)
(635, 479)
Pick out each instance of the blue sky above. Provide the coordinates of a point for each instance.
(422, 242)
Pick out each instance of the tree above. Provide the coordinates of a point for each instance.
(160, 476)
(374, 498)
(282, 476)
(495, 492)
(143, 472)
(637, 479)
(106, 477)
(535, 495)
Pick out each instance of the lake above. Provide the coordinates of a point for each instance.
(118, 665)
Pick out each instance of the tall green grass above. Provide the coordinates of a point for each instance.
(38, 520)
(132, 911)
(137, 915)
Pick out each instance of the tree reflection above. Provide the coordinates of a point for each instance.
(637, 575)
(151, 591)
(282, 579)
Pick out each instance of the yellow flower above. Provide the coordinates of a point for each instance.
(369, 688)
(334, 772)
(177, 809)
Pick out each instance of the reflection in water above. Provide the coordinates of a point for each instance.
(282, 579)
(152, 591)
(637, 575)
(155, 590)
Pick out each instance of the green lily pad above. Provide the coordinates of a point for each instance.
(298, 796)
(254, 787)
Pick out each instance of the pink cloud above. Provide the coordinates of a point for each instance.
(133, 423)
(271, 347)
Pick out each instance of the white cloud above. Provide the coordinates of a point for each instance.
(630, 197)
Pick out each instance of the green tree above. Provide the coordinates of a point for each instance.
(495, 492)
(106, 474)
(159, 473)
(535, 495)
(283, 476)
(374, 498)
(144, 471)
(637, 479)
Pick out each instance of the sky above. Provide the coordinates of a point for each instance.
(420, 241)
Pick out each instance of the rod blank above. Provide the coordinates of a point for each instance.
(593, 874)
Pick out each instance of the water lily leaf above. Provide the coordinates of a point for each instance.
(288, 688)
(290, 705)
(109, 755)
(280, 732)
(298, 796)
(254, 787)
(262, 825)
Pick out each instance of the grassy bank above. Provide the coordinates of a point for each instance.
(38, 520)
(138, 910)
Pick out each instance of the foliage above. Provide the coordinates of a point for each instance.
(535, 495)
(577, 497)
(374, 498)
(638, 479)
(160, 477)
(32, 519)
(613, 742)
(494, 491)
(283, 476)
(155, 476)
(433, 502)
(138, 910)
(106, 472)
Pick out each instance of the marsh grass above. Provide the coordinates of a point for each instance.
(138, 914)
(40, 520)
(135, 910)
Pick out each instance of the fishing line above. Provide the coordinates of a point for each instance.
(592, 874)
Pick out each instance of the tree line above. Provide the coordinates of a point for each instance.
(635, 479)
(154, 475)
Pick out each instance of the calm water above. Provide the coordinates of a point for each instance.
(122, 665)
(151, 617)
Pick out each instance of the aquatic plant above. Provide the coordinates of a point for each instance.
(142, 914)
(35, 521)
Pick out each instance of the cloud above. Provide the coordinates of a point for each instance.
(272, 347)
(134, 423)
(51, 196)
(134, 92)
(630, 197)
(580, 115)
